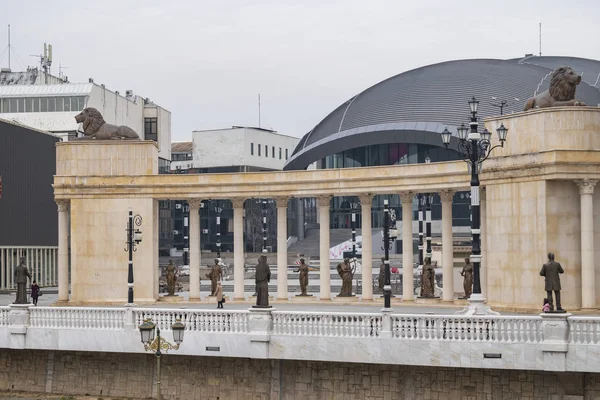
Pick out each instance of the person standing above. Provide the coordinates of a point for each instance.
(550, 271)
(21, 275)
(219, 295)
(35, 292)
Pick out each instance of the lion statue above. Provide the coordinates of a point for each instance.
(94, 127)
(561, 93)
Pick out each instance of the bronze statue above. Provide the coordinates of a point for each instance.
(346, 273)
(94, 127)
(427, 279)
(262, 279)
(563, 84)
(21, 275)
(303, 277)
(467, 272)
(381, 278)
(551, 271)
(171, 278)
(215, 275)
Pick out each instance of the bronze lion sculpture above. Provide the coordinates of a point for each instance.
(563, 83)
(94, 127)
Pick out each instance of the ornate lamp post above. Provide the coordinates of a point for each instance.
(134, 237)
(264, 227)
(390, 233)
(150, 335)
(475, 148)
(186, 233)
(218, 210)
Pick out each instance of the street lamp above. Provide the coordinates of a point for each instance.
(264, 228)
(218, 210)
(186, 233)
(150, 335)
(390, 233)
(134, 237)
(475, 149)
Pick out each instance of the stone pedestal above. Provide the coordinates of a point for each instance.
(301, 299)
(260, 325)
(477, 306)
(555, 331)
(345, 299)
(170, 299)
(18, 319)
(386, 326)
(427, 300)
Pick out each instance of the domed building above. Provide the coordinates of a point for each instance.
(399, 120)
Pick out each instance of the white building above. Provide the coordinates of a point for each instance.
(242, 149)
(52, 107)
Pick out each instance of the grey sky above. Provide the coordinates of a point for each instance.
(206, 61)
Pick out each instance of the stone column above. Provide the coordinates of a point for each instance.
(447, 245)
(367, 246)
(407, 246)
(484, 235)
(194, 232)
(282, 267)
(238, 249)
(588, 277)
(63, 250)
(325, 290)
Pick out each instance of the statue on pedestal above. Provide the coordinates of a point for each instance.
(215, 275)
(563, 84)
(303, 277)
(346, 272)
(428, 279)
(21, 275)
(551, 271)
(94, 127)
(171, 278)
(467, 273)
(262, 279)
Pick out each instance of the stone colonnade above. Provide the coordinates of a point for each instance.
(586, 191)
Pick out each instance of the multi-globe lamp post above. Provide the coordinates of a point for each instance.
(390, 233)
(475, 148)
(134, 237)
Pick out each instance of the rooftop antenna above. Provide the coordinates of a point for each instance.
(8, 46)
(60, 71)
(259, 110)
(540, 39)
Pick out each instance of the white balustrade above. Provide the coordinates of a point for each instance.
(41, 261)
(77, 318)
(196, 320)
(327, 324)
(4, 316)
(501, 329)
(584, 330)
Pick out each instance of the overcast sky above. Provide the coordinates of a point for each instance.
(206, 61)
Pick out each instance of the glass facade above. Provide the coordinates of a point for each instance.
(42, 104)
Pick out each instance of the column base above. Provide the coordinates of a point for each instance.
(477, 306)
(194, 298)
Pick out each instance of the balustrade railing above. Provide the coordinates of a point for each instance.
(327, 324)
(4, 316)
(196, 320)
(77, 318)
(584, 330)
(503, 329)
(41, 261)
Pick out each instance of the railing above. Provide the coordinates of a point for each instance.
(4, 316)
(77, 318)
(41, 261)
(327, 324)
(196, 320)
(502, 329)
(584, 330)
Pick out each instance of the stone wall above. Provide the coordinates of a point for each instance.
(133, 376)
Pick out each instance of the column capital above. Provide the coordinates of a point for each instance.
(324, 200)
(63, 205)
(281, 201)
(238, 202)
(406, 197)
(447, 195)
(586, 186)
(365, 198)
(194, 203)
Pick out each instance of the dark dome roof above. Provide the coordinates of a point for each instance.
(414, 106)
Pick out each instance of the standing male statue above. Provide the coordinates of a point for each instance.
(171, 278)
(214, 275)
(381, 278)
(21, 275)
(303, 277)
(467, 273)
(551, 271)
(346, 273)
(428, 279)
(262, 279)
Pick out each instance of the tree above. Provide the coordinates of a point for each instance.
(254, 211)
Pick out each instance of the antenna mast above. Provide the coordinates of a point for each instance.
(259, 110)
(8, 46)
(540, 39)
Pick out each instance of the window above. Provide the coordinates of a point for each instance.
(21, 105)
(12, 103)
(4, 105)
(259, 146)
(51, 104)
(151, 129)
(60, 104)
(286, 154)
(280, 153)
(273, 152)
(251, 149)
(67, 103)
(266, 150)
